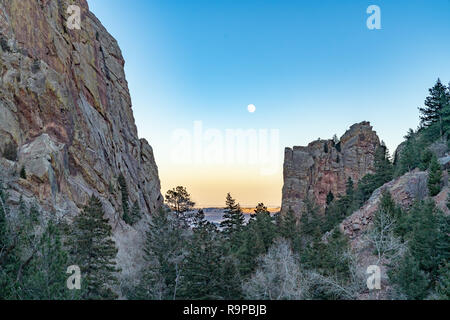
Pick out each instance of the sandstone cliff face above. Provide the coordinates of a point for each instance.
(65, 105)
(325, 166)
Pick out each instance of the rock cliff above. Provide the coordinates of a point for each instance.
(326, 165)
(65, 107)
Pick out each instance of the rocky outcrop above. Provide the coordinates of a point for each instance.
(404, 190)
(65, 105)
(326, 165)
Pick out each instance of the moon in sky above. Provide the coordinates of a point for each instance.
(251, 108)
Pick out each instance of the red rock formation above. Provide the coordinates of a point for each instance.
(325, 166)
(64, 101)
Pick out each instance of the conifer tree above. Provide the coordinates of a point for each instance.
(45, 279)
(434, 177)
(125, 205)
(289, 229)
(409, 279)
(95, 252)
(384, 170)
(23, 173)
(436, 107)
(330, 198)
(202, 278)
(165, 253)
(180, 202)
(233, 218)
(258, 237)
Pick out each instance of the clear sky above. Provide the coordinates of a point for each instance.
(311, 68)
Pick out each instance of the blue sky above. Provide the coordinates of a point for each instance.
(311, 68)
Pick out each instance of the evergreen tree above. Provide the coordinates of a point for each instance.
(409, 155)
(23, 173)
(434, 177)
(384, 170)
(135, 214)
(179, 201)
(45, 279)
(125, 195)
(164, 253)
(202, 276)
(289, 229)
(233, 218)
(425, 159)
(330, 198)
(264, 225)
(258, 236)
(436, 107)
(409, 279)
(95, 252)
(443, 285)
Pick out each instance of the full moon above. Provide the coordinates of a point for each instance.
(251, 108)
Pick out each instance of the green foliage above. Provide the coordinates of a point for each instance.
(179, 201)
(95, 252)
(338, 147)
(125, 195)
(45, 277)
(434, 177)
(32, 264)
(233, 218)
(23, 173)
(425, 159)
(258, 236)
(437, 108)
(164, 252)
(289, 229)
(410, 155)
(443, 285)
(205, 274)
(426, 230)
(135, 214)
(409, 279)
(330, 198)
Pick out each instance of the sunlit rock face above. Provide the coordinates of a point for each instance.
(326, 165)
(65, 104)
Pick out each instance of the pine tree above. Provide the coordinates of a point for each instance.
(349, 188)
(289, 229)
(180, 202)
(434, 177)
(409, 155)
(434, 111)
(95, 252)
(125, 205)
(443, 285)
(45, 279)
(384, 170)
(258, 236)
(310, 224)
(202, 278)
(409, 279)
(233, 218)
(3, 221)
(330, 198)
(265, 225)
(165, 253)
(23, 173)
